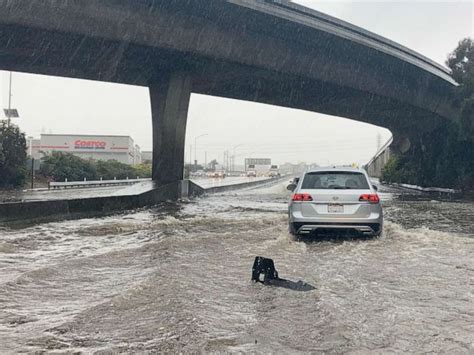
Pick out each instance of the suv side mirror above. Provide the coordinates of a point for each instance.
(375, 187)
(291, 187)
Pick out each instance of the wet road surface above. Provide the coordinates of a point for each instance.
(176, 278)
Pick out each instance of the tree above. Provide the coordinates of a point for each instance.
(112, 169)
(12, 156)
(143, 170)
(61, 166)
(213, 164)
(444, 155)
(461, 62)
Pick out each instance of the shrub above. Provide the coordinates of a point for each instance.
(60, 166)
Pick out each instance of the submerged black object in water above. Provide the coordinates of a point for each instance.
(264, 271)
(263, 267)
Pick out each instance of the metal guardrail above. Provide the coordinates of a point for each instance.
(379, 152)
(93, 183)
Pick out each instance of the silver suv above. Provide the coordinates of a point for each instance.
(328, 200)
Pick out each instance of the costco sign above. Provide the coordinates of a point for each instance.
(82, 144)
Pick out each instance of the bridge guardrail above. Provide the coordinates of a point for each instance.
(379, 152)
(93, 183)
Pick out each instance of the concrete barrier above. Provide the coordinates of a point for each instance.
(50, 210)
(223, 188)
(195, 190)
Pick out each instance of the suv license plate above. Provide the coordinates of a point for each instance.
(335, 208)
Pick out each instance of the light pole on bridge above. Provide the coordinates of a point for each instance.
(195, 148)
(233, 155)
(10, 112)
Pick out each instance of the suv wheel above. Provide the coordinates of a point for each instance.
(293, 235)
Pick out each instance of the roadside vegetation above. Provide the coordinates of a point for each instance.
(445, 156)
(60, 166)
(13, 169)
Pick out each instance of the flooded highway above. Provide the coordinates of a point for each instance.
(118, 190)
(177, 278)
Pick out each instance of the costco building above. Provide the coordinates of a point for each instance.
(120, 148)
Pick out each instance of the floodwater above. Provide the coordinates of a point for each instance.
(177, 278)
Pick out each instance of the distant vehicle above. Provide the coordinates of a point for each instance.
(198, 173)
(329, 200)
(217, 174)
(274, 172)
(251, 173)
(260, 166)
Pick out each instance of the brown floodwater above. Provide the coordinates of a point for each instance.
(177, 278)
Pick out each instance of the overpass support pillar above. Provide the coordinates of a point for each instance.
(169, 98)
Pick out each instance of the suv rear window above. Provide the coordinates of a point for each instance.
(328, 180)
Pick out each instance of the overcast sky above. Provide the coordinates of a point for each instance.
(59, 105)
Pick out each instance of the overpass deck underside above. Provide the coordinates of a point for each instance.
(270, 52)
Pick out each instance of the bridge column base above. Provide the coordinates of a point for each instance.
(169, 98)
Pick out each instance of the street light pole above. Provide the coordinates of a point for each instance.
(10, 112)
(9, 99)
(32, 173)
(195, 148)
(233, 155)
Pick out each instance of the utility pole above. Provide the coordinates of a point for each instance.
(195, 146)
(32, 172)
(233, 155)
(10, 112)
(9, 100)
(190, 154)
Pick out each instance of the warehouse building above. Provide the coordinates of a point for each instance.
(120, 148)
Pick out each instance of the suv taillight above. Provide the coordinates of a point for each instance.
(371, 198)
(302, 197)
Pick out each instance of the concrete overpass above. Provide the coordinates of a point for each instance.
(273, 52)
(375, 165)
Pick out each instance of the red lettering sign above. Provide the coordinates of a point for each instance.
(81, 144)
